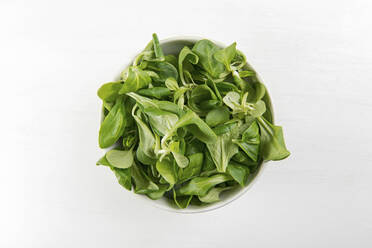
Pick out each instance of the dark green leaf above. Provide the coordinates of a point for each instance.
(164, 70)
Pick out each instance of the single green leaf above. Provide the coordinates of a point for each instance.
(180, 159)
(103, 161)
(109, 91)
(157, 49)
(186, 55)
(159, 193)
(205, 50)
(225, 87)
(113, 125)
(136, 79)
(157, 92)
(194, 146)
(161, 121)
(272, 142)
(201, 185)
(242, 158)
(167, 170)
(208, 164)
(146, 145)
(202, 99)
(239, 61)
(143, 184)
(232, 100)
(213, 194)
(120, 159)
(193, 168)
(225, 128)
(164, 70)
(250, 141)
(195, 125)
(217, 116)
(243, 74)
(170, 58)
(226, 55)
(108, 106)
(181, 201)
(123, 176)
(259, 108)
(171, 84)
(223, 150)
(238, 172)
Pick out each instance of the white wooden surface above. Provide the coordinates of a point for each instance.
(315, 57)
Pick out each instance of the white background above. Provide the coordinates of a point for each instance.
(315, 57)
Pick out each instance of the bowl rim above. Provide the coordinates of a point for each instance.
(213, 206)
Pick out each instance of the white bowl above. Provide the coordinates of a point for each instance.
(172, 46)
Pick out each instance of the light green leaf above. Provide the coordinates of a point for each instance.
(232, 100)
(157, 49)
(120, 159)
(171, 84)
(223, 150)
(136, 79)
(213, 194)
(167, 170)
(109, 91)
(226, 55)
(201, 185)
(272, 141)
(217, 116)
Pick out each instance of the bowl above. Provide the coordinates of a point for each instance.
(174, 45)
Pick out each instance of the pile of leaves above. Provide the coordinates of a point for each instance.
(188, 126)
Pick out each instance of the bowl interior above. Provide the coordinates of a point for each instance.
(174, 46)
